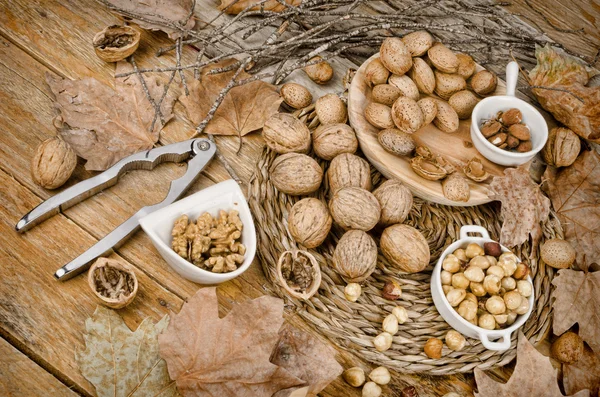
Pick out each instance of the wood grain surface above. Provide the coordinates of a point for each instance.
(41, 320)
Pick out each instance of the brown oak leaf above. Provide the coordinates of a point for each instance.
(583, 373)
(305, 357)
(234, 7)
(577, 300)
(244, 109)
(533, 376)
(575, 195)
(524, 206)
(229, 356)
(165, 15)
(104, 125)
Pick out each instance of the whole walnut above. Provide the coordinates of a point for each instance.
(405, 248)
(284, 133)
(395, 200)
(347, 170)
(333, 139)
(309, 222)
(562, 148)
(296, 174)
(355, 256)
(53, 163)
(355, 208)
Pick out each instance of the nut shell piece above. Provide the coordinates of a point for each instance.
(418, 42)
(296, 174)
(422, 74)
(355, 256)
(395, 56)
(334, 139)
(320, 72)
(347, 170)
(113, 282)
(298, 272)
(405, 248)
(331, 109)
(53, 163)
(396, 201)
(115, 43)
(456, 188)
(474, 170)
(442, 58)
(428, 169)
(355, 208)
(396, 142)
(284, 133)
(309, 222)
(295, 95)
(562, 148)
(407, 115)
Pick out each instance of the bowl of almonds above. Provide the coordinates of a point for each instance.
(482, 289)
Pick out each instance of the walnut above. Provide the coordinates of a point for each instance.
(115, 43)
(53, 163)
(347, 170)
(309, 222)
(299, 273)
(355, 256)
(333, 139)
(395, 200)
(355, 208)
(405, 248)
(114, 283)
(296, 174)
(562, 148)
(284, 133)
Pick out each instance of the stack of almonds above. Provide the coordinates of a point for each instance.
(507, 131)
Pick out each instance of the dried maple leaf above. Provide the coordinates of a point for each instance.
(524, 206)
(555, 69)
(533, 376)
(157, 14)
(244, 109)
(305, 357)
(575, 195)
(225, 357)
(577, 300)
(104, 125)
(122, 363)
(234, 7)
(583, 374)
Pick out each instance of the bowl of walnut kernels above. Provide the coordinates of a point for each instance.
(208, 237)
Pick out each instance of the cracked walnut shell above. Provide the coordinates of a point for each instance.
(355, 256)
(299, 273)
(296, 174)
(53, 163)
(309, 222)
(115, 43)
(355, 208)
(113, 282)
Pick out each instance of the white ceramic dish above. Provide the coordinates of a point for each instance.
(222, 196)
(487, 337)
(488, 108)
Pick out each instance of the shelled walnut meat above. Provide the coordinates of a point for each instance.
(113, 282)
(299, 273)
(507, 131)
(210, 243)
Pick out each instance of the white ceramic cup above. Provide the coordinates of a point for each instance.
(487, 109)
(487, 337)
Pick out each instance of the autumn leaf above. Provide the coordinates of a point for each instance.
(533, 376)
(229, 356)
(583, 373)
(575, 195)
(122, 363)
(577, 300)
(105, 125)
(234, 7)
(305, 357)
(524, 206)
(244, 109)
(157, 14)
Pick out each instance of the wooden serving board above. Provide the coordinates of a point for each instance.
(455, 147)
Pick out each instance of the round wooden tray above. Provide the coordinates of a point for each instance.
(456, 147)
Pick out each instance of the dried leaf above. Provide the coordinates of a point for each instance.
(233, 7)
(533, 376)
(583, 374)
(122, 363)
(244, 109)
(555, 69)
(104, 125)
(305, 357)
(575, 195)
(577, 300)
(155, 14)
(212, 356)
(524, 206)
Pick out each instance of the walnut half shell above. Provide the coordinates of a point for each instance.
(113, 282)
(474, 170)
(299, 273)
(116, 43)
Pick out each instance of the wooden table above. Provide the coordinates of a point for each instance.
(41, 320)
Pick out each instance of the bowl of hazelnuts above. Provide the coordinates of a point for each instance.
(482, 289)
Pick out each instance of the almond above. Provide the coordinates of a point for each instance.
(447, 84)
(396, 141)
(442, 58)
(456, 188)
(407, 115)
(499, 139)
(422, 75)
(524, 146)
(379, 115)
(490, 128)
(446, 119)
(405, 85)
(331, 110)
(295, 95)
(466, 65)
(429, 108)
(376, 73)
(395, 56)
(511, 116)
(385, 94)
(484, 82)
(463, 102)
(321, 72)
(512, 142)
(520, 131)
(418, 42)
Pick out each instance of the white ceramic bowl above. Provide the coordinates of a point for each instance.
(487, 337)
(488, 108)
(222, 196)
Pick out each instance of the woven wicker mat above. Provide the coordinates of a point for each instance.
(352, 326)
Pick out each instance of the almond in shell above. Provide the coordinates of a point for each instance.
(295, 95)
(406, 86)
(422, 75)
(418, 42)
(395, 56)
(463, 102)
(466, 65)
(442, 58)
(379, 115)
(446, 119)
(456, 188)
(333, 139)
(396, 142)
(429, 108)
(376, 73)
(331, 109)
(484, 82)
(385, 94)
(407, 115)
(447, 84)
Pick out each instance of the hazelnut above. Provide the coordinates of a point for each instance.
(474, 273)
(447, 288)
(456, 296)
(558, 253)
(459, 280)
(433, 348)
(355, 376)
(525, 288)
(512, 299)
(508, 283)
(568, 348)
(477, 289)
(352, 291)
(474, 250)
(391, 290)
(380, 375)
(470, 297)
(523, 307)
(492, 248)
(492, 259)
(321, 72)
(401, 314)
(371, 389)
(501, 319)
(511, 116)
(451, 263)
(487, 321)
(509, 266)
(446, 277)
(510, 318)
(460, 254)
(390, 324)
(481, 262)
(454, 340)
(496, 271)
(467, 309)
(382, 342)
(495, 305)
(491, 284)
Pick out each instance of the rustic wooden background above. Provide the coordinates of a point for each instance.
(41, 320)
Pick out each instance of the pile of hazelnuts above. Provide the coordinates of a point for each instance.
(487, 287)
(507, 131)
